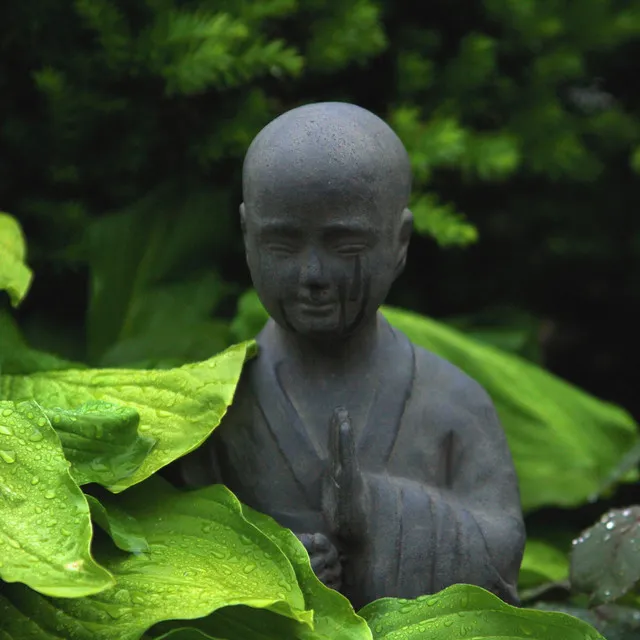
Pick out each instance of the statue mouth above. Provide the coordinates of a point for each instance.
(316, 308)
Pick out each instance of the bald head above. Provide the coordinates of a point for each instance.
(328, 150)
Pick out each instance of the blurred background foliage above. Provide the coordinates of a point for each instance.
(123, 124)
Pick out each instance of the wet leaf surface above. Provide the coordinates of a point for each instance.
(45, 526)
(605, 559)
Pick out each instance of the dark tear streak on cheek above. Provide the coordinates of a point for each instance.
(360, 290)
(283, 313)
(356, 286)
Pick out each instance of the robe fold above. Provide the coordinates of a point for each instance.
(443, 501)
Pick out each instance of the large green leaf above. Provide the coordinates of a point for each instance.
(465, 611)
(142, 306)
(178, 408)
(564, 442)
(334, 617)
(45, 527)
(101, 441)
(15, 276)
(605, 559)
(203, 555)
(16, 357)
(542, 563)
(125, 530)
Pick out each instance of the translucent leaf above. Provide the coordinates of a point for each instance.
(15, 276)
(333, 615)
(125, 530)
(203, 555)
(178, 408)
(542, 563)
(45, 528)
(466, 611)
(605, 559)
(101, 441)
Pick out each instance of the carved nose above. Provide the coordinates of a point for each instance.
(312, 275)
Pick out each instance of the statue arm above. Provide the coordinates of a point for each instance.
(467, 528)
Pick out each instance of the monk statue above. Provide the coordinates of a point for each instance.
(385, 460)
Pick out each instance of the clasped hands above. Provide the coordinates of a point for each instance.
(344, 502)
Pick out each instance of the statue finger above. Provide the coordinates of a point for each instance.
(347, 447)
(307, 540)
(340, 417)
(332, 557)
(318, 563)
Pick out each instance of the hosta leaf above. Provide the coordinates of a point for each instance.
(564, 442)
(465, 611)
(334, 617)
(125, 530)
(202, 555)
(101, 441)
(16, 357)
(542, 563)
(178, 408)
(138, 285)
(186, 633)
(15, 276)
(45, 527)
(605, 559)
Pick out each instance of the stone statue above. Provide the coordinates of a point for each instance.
(388, 462)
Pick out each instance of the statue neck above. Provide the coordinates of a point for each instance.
(330, 356)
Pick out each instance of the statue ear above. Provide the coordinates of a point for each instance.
(406, 228)
(243, 219)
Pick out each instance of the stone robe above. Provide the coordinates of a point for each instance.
(444, 499)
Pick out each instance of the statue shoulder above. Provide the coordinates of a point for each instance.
(452, 387)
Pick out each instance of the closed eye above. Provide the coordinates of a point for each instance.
(351, 249)
(281, 248)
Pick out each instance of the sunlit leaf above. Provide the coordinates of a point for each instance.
(124, 529)
(178, 408)
(45, 527)
(101, 441)
(203, 555)
(542, 563)
(15, 276)
(465, 611)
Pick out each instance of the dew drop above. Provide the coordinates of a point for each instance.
(49, 495)
(8, 456)
(7, 412)
(35, 480)
(36, 436)
(5, 431)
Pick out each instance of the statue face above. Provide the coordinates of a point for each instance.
(321, 270)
